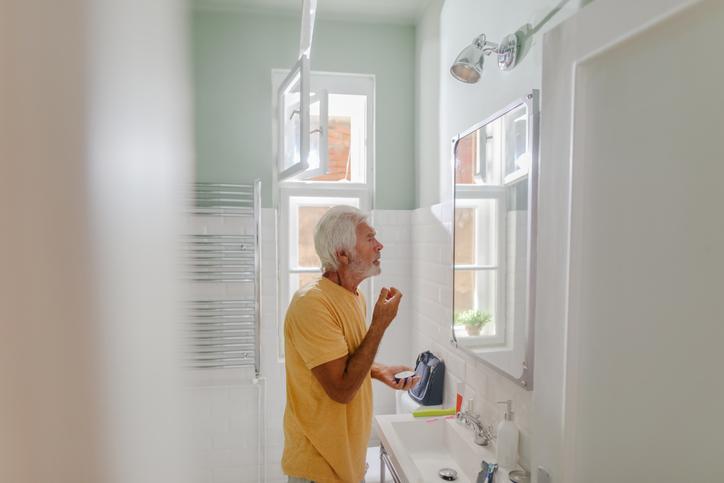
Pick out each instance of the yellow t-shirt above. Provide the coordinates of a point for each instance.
(324, 441)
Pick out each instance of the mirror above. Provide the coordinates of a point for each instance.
(495, 173)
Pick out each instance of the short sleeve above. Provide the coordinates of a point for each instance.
(311, 327)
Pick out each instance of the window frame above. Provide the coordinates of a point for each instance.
(288, 78)
(288, 189)
(468, 194)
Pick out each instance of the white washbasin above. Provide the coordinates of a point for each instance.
(420, 447)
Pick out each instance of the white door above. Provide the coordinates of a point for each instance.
(630, 318)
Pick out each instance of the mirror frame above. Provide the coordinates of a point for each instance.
(531, 100)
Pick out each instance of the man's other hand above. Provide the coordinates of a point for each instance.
(386, 374)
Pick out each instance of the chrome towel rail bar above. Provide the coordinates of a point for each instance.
(223, 332)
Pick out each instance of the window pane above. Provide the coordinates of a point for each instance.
(298, 280)
(477, 156)
(308, 218)
(346, 136)
(338, 150)
(477, 290)
(476, 232)
(464, 290)
(464, 236)
(305, 212)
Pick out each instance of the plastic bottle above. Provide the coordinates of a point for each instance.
(459, 397)
(507, 439)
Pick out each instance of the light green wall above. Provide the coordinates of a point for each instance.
(233, 54)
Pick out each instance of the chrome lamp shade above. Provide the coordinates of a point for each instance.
(469, 63)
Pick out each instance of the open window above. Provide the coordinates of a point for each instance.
(327, 138)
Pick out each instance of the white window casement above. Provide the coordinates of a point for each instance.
(324, 125)
(480, 255)
(292, 106)
(339, 168)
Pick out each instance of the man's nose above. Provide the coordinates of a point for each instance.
(380, 246)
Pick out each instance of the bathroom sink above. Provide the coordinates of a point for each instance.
(420, 447)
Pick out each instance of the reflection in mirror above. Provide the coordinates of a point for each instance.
(495, 174)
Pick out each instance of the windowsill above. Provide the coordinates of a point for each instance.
(289, 183)
(486, 343)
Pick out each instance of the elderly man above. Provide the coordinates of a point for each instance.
(330, 355)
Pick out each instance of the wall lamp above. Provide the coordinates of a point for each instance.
(468, 65)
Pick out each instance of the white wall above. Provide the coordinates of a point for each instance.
(427, 105)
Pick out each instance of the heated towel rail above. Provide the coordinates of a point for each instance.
(224, 268)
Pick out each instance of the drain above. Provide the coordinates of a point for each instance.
(448, 474)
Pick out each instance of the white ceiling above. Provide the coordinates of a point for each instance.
(393, 11)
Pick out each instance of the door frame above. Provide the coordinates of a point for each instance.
(597, 28)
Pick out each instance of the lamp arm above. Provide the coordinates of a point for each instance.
(550, 15)
(490, 48)
(483, 44)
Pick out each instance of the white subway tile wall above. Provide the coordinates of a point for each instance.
(431, 247)
(394, 232)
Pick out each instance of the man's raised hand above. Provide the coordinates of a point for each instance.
(386, 307)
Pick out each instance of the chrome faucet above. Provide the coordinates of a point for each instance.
(482, 434)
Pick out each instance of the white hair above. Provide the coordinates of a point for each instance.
(336, 230)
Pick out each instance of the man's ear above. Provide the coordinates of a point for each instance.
(343, 257)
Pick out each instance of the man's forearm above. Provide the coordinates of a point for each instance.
(360, 362)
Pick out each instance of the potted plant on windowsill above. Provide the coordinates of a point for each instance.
(473, 320)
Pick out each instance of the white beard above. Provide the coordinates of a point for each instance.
(363, 270)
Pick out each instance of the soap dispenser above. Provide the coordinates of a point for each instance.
(507, 438)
